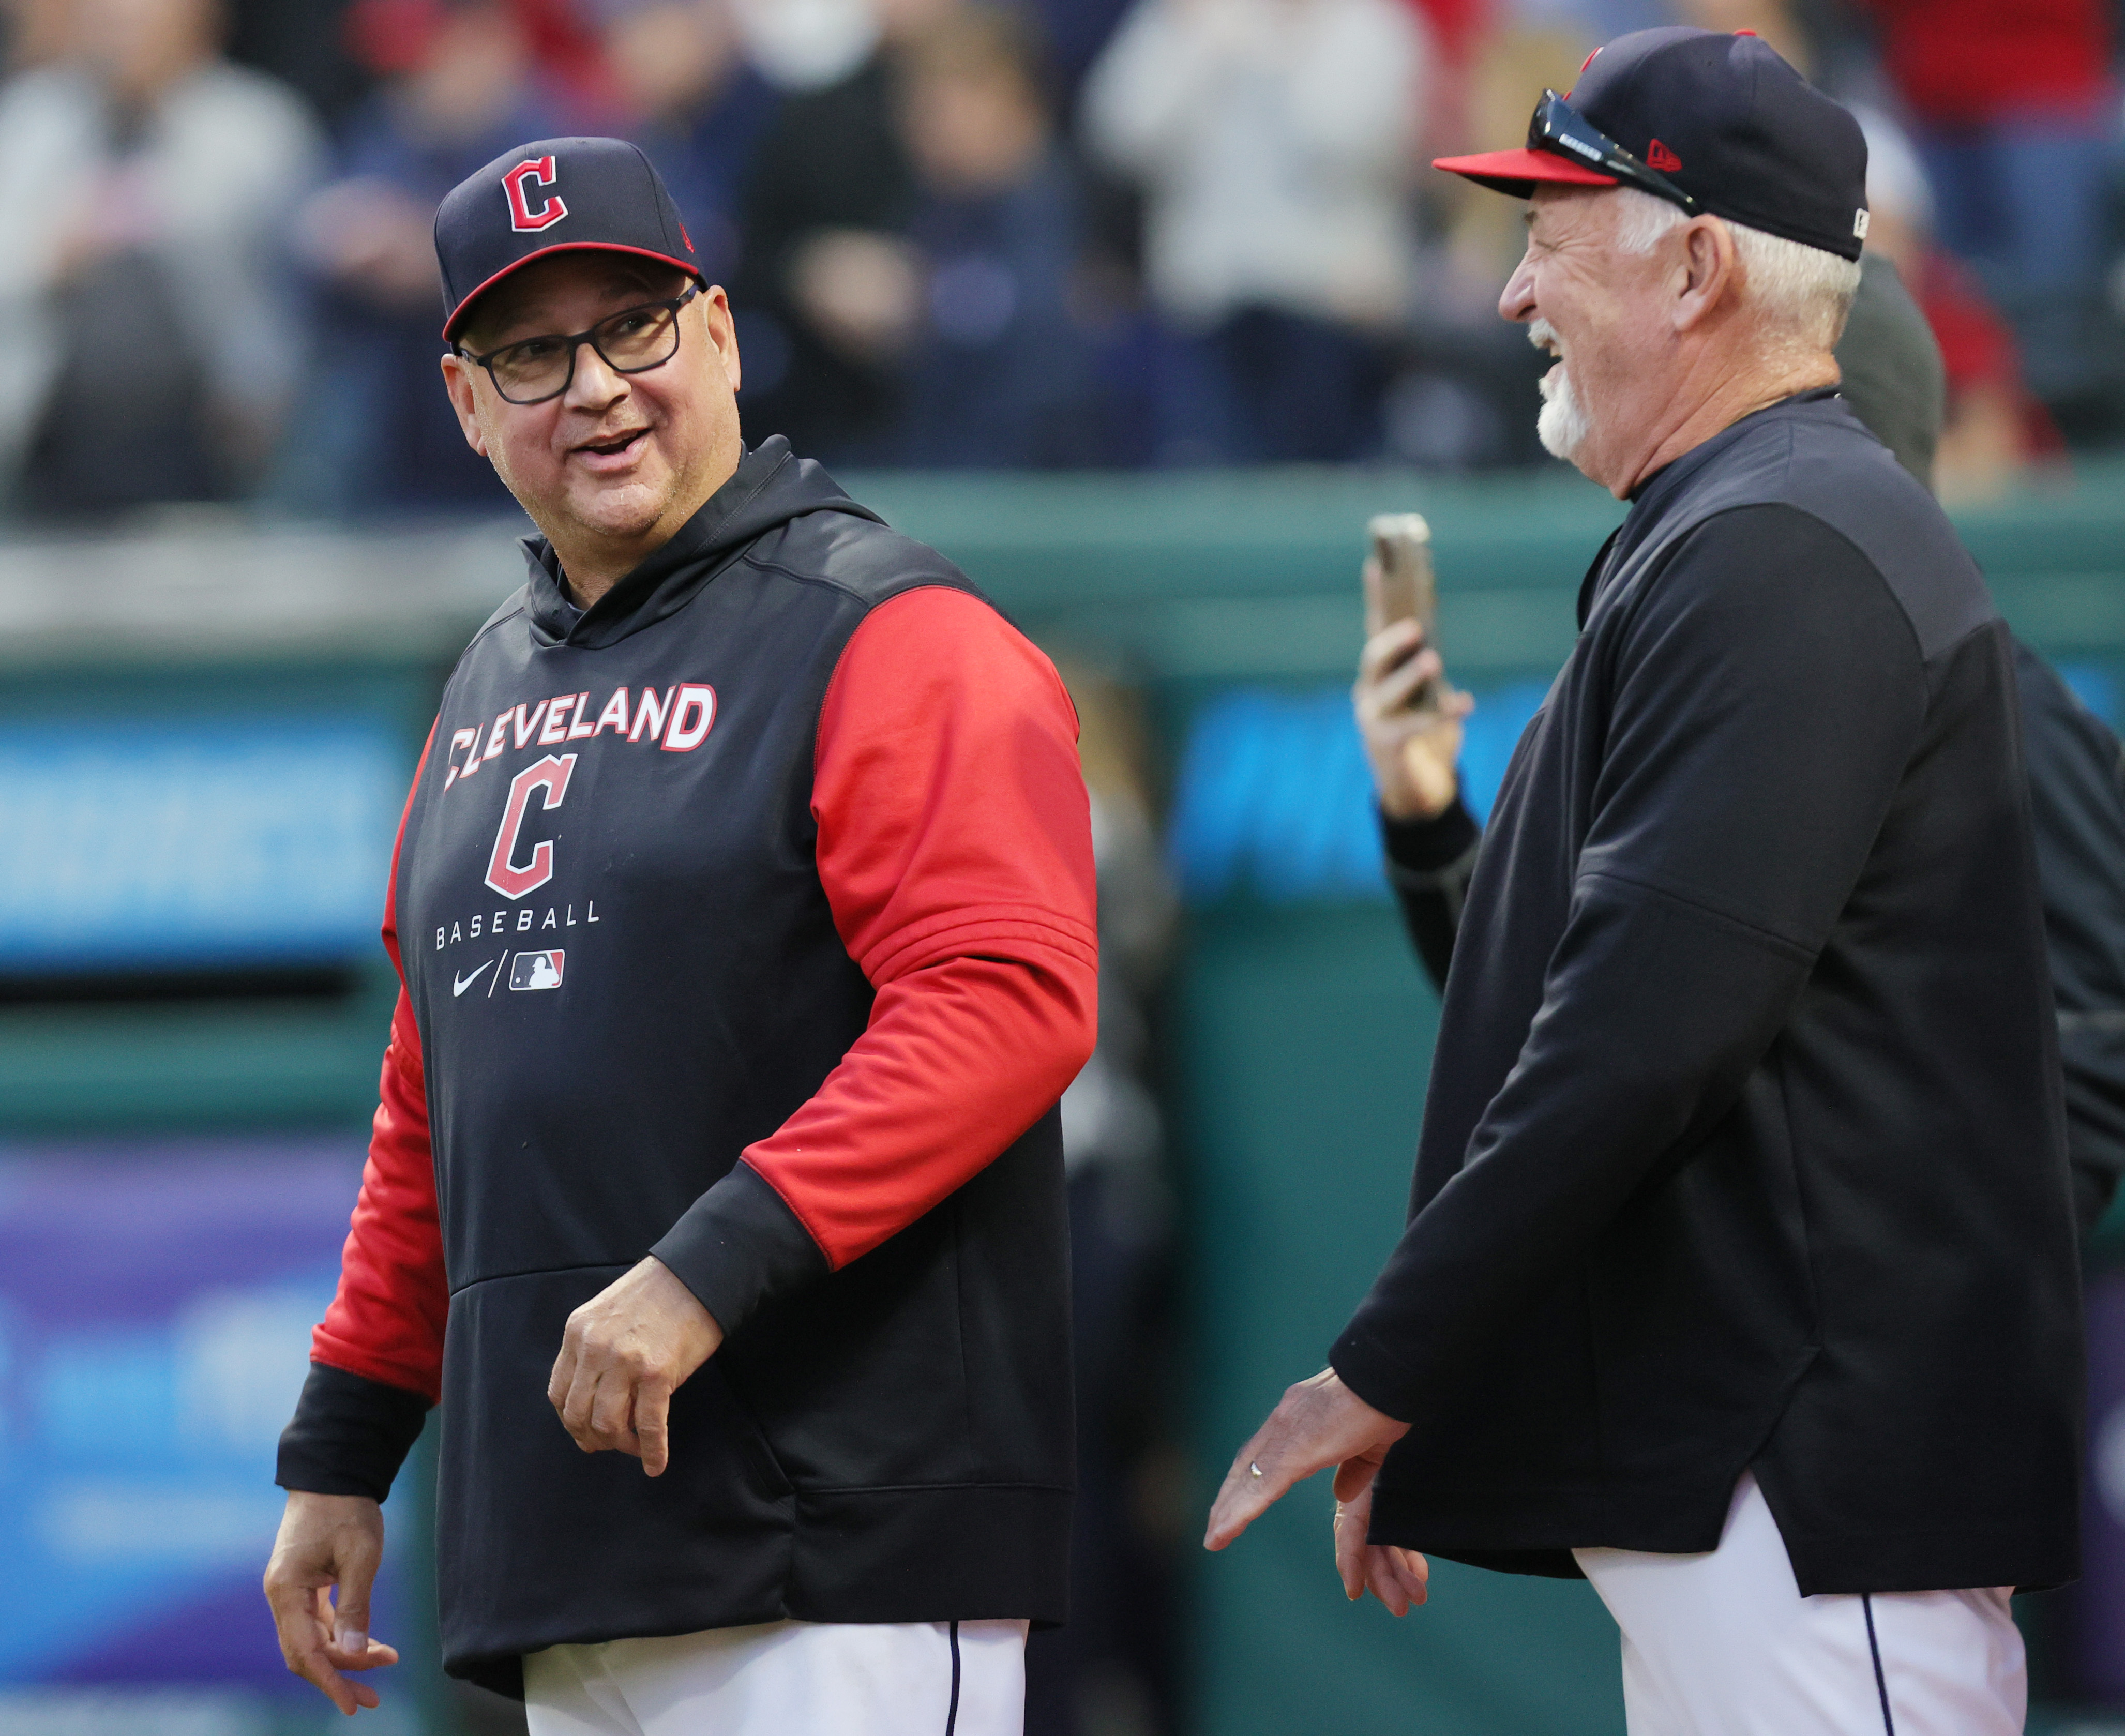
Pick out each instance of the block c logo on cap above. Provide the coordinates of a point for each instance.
(551, 208)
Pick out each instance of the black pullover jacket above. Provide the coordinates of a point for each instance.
(2077, 803)
(1743, 1145)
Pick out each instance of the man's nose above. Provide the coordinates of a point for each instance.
(1516, 301)
(595, 386)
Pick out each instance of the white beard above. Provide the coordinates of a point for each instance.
(1562, 427)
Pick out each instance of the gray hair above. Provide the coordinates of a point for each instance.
(1803, 294)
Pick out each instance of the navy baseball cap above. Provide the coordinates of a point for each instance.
(1705, 120)
(552, 196)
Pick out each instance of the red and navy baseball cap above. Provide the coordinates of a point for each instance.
(1706, 120)
(550, 197)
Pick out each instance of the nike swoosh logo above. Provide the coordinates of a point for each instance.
(459, 985)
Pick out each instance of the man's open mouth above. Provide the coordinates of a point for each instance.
(614, 445)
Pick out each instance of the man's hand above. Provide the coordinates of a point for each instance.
(1399, 1578)
(1414, 750)
(327, 1542)
(1321, 1422)
(625, 1352)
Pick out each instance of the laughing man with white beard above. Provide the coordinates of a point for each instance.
(1740, 1272)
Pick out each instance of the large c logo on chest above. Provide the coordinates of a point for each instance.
(549, 776)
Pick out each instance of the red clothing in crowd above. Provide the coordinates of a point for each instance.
(1966, 62)
(1976, 347)
(1455, 26)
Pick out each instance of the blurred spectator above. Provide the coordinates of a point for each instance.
(1466, 395)
(1112, 1669)
(1772, 20)
(807, 44)
(678, 70)
(1598, 20)
(1076, 32)
(1457, 30)
(1456, 26)
(1993, 427)
(147, 346)
(1000, 372)
(1273, 141)
(2012, 105)
(37, 32)
(827, 285)
(562, 38)
(379, 434)
(305, 45)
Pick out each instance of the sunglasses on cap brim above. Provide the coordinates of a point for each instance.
(1561, 129)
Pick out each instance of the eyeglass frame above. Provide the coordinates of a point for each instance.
(575, 341)
(1585, 142)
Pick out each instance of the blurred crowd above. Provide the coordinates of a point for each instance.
(1059, 233)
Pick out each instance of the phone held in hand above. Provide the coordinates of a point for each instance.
(1401, 546)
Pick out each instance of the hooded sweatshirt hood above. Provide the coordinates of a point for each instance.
(771, 487)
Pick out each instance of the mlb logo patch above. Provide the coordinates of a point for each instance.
(537, 969)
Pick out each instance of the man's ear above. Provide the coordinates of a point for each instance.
(457, 381)
(1712, 271)
(721, 331)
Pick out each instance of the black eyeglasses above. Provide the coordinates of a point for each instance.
(633, 340)
(1561, 129)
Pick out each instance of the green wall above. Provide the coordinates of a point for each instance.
(1305, 1046)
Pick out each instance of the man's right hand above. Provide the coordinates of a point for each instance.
(1413, 750)
(327, 1542)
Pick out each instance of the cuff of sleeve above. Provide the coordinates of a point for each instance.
(1425, 846)
(738, 1245)
(350, 1434)
(1375, 1376)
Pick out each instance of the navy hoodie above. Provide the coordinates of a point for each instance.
(746, 918)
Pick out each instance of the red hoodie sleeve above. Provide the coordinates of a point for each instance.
(377, 1359)
(386, 1322)
(955, 846)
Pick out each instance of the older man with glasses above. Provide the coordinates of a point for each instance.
(1740, 1275)
(746, 919)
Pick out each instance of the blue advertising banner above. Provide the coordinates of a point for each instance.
(156, 1301)
(178, 841)
(1273, 794)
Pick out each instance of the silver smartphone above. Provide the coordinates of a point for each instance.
(1402, 544)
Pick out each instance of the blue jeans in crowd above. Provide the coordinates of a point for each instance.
(2024, 201)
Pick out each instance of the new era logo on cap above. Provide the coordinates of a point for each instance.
(540, 198)
(1659, 157)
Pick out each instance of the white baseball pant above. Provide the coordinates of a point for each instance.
(787, 1679)
(1724, 1645)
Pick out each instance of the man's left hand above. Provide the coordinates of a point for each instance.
(1318, 1423)
(625, 1352)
